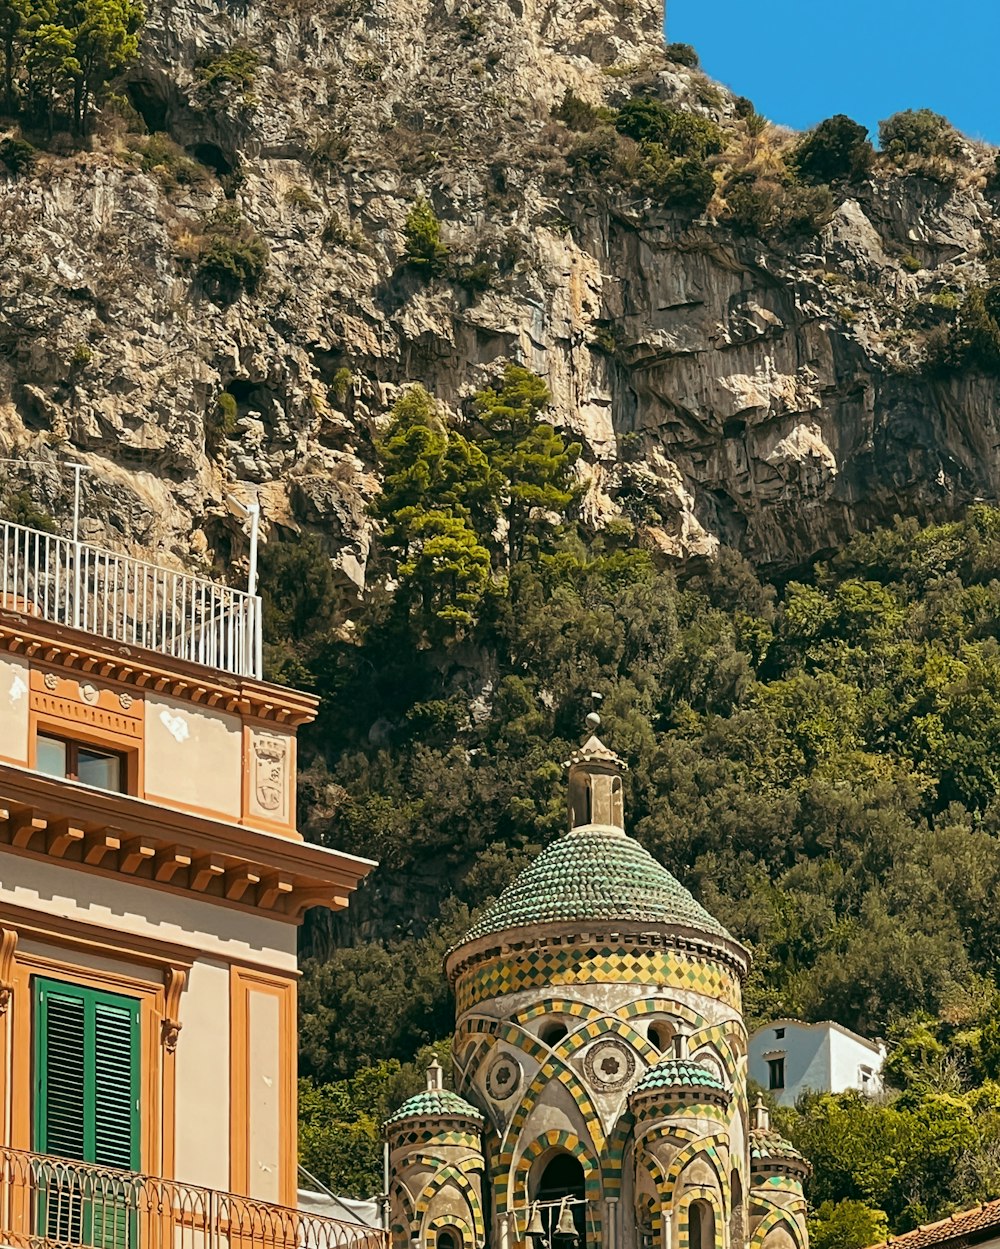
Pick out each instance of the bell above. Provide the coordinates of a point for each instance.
(566, 1225)
(535, 1225)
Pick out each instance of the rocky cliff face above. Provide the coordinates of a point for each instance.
(761, 395)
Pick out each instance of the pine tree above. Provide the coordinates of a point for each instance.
(533, 458)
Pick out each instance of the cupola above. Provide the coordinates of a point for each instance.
(595, 783)
(434, 1102)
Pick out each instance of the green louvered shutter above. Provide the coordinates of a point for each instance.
(86, 1108)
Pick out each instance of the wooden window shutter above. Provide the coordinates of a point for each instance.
(86, 1075)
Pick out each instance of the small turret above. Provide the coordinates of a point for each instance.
(595, 783)
(777, 1171)
(435, 1134)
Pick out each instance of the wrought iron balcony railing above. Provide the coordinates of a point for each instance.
(56, 1203)
(129, 600)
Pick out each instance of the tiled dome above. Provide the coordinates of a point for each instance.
(595, 873)
(433, 1104)
(678, 1073)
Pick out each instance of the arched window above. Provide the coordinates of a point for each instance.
(447, 1238)
(562, 1177)
(660, 1035)
(701, 1225)
(617, 803)
(588, 804)
(552, 1031)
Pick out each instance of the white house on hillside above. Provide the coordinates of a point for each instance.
(787, 1057)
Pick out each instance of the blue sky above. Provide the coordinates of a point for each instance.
(803, 60)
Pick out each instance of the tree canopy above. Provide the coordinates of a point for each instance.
(816, 761)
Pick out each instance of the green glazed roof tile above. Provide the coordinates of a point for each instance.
(769, 1144)
(675, 1073)
(595, 873)
(432, 1102)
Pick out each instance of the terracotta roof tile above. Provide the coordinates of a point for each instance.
(985, 1218)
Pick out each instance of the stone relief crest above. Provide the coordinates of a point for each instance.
(270, 765)
(503, 1078)
(89, 692)
(609, 1065)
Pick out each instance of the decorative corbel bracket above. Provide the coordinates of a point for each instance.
(8, 946)
(176, 979)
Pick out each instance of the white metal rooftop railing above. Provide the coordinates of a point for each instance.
(129, 600)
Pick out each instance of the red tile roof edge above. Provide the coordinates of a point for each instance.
(979, 1219)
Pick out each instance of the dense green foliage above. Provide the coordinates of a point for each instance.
(818, 764)
(58, 56)
(455, 512)
(972, 338)
(648, 120)
(681, 54)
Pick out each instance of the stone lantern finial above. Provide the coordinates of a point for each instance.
(434, 1075)
(595, 781)
(761, 1115)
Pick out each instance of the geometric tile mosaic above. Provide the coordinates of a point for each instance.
(527, 969)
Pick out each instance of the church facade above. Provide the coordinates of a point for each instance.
(600, 1063)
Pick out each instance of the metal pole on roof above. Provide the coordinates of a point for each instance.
(77, 470)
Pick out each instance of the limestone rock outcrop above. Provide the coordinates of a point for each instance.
(725, 391)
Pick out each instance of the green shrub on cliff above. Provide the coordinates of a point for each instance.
(918, 132)
(675, 182)
(972, 338)
(838, 149)
(682, 54)
(422, 234)
(17, 156)
(232, 256)
(648, 120)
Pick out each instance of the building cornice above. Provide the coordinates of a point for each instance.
(45, 642)
(118, 835)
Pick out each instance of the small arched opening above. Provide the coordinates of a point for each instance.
(562, 1177)
(701, 1225)
(552, 1031)
(645, 1219)
(660, 1034)
(447, 1238)
(617, 803)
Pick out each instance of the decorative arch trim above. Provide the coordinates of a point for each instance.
(777, 1217)
(451, 1175)
(711, 1148)
(458, 1223)
(560, 1006)
(662, 1006)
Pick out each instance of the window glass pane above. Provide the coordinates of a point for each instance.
(102, 771)
(51, 756)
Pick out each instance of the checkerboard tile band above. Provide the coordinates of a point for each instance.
(529, 969)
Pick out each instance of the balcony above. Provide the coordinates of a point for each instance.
(129, 601)
(56, 1203)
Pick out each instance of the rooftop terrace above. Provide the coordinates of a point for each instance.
(130, 601)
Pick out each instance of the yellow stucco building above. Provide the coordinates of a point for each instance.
(151, 884)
